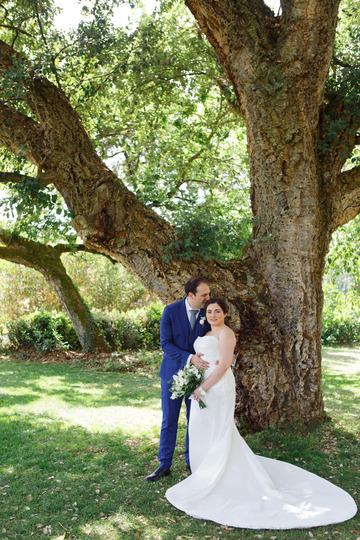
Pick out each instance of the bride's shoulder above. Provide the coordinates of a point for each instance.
(226, 334)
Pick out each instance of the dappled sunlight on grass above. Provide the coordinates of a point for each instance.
(104, 390)
(341, 386)
(346, 361)
(78, 443)
(111, 418)
(105, 403)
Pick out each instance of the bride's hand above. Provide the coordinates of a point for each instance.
(197, 395)
(199, 362)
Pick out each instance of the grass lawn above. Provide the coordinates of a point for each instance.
(78, 438)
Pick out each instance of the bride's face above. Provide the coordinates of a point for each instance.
(215, 315)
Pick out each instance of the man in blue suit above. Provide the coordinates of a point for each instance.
(181, 323)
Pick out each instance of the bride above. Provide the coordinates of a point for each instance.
(231, 485)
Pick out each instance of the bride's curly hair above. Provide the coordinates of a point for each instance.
(220, 301)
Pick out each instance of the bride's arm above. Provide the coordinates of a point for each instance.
(227, 343)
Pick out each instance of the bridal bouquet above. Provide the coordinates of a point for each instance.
(186, 381)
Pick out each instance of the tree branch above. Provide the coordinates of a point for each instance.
(345, 199)
(46, 43)
(338, 62)
(44, 178)
(66, 248)
(338, 126)
(107, 216)
(228, 95)
(28, 247)
(16, 29)
(268, 52)
(22, 136)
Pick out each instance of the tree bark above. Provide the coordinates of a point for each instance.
(278, 67)
(46, 260)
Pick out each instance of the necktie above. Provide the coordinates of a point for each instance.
(193, 314)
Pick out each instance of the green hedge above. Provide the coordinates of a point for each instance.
(340, 330)
(136, 329)
(140, 329)
(43, 330)
(341, 317)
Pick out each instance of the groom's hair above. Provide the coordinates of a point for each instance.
(193, 283)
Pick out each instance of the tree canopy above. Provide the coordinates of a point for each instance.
(164, 118)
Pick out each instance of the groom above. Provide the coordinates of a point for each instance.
(181, 323)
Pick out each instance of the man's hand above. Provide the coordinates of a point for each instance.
(198, 362)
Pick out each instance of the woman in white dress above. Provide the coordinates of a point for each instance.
(231, 485)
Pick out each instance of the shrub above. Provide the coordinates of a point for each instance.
(119, 331)
(337, 331)
(43, 330)
(135, 329)
(147, 321)
(340, 322)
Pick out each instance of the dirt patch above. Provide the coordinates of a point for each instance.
(126, 361)
(54, 357)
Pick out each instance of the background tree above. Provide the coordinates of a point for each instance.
(301, 130)
(46, 259)
(36, 213)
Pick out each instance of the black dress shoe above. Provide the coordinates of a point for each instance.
(188, 468)
(159, 473)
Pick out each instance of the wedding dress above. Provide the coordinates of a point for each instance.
(232, 486)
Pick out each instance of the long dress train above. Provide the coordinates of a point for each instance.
(232, 486)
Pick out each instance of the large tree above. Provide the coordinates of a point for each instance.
(300, 132)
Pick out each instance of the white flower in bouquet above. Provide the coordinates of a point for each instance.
(186, 381)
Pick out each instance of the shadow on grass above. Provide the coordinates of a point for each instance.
(87, 484)
(341, 385)
(342, 393)
(92, 485)
(69, 479)
(51, 474)
(23, 383)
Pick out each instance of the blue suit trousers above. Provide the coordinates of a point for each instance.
(171, 411)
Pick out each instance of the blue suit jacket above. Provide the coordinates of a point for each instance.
(177, 337)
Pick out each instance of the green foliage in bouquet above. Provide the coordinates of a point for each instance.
(186, 381)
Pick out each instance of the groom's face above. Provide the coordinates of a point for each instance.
(202, 295)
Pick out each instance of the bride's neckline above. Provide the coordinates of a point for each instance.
(217, 339)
